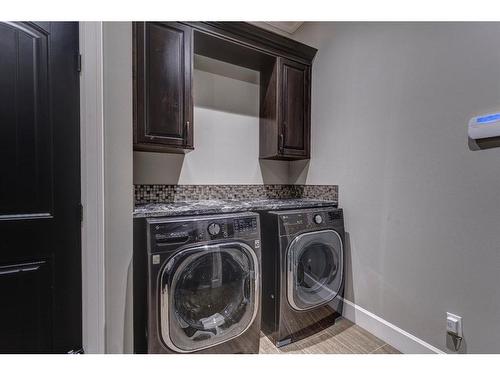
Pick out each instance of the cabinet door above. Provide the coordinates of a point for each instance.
(25, 316)
(163, 95)
(294, 104)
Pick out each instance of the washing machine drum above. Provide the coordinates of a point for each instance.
(208, 296)
(314, 269)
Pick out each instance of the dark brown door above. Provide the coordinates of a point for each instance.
(40, 260)
(294, 108)
(163, 65)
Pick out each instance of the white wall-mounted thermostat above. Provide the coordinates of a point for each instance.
(485, 126)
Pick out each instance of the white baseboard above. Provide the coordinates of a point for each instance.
(403, 341)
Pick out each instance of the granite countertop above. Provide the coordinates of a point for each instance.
(217, 206)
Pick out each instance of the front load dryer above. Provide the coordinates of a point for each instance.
(197, 284)
(302, 272)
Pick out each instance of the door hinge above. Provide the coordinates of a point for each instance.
(79, 63)
(81, 212)
(281, 141)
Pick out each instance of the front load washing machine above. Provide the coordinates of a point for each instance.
(197, 284)
(302, 272)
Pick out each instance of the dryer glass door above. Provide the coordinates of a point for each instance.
(208, 295)
(314, 269)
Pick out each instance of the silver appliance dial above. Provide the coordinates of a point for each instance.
(213, 229)
(318, 219)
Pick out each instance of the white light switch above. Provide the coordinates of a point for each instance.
(454, 324)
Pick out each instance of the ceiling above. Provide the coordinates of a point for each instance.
(280, 27)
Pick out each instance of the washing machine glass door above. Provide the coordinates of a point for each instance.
(208, 295)
(314, 269)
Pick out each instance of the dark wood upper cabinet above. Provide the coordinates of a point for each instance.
(163, 116)
(285, 111)
(294, 115)
(163, 67)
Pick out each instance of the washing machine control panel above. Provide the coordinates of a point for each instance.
(245, 225)
(165, 234)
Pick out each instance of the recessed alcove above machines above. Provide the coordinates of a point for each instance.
(163, 70)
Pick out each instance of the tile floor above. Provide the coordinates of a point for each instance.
(344, 337)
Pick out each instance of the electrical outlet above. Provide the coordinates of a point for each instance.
(454, 324)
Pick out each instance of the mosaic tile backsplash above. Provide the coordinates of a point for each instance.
(180, 193)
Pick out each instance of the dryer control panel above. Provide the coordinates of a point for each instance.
(299, 221)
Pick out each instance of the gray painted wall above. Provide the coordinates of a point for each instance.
(390, 108)
(117, 86)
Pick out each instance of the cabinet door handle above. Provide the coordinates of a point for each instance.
(282, 136)
(187, 132)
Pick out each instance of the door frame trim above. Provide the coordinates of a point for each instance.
(92, 184)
